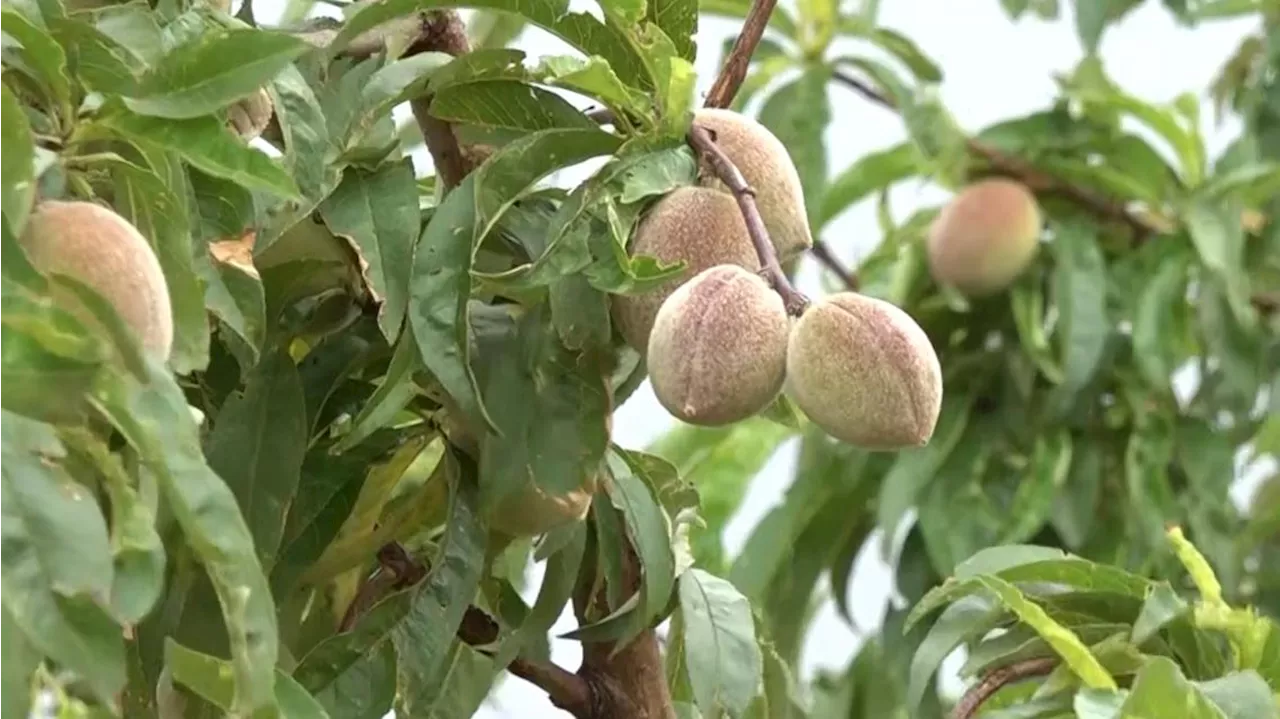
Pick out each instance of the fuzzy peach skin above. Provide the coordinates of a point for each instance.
(94, 245)
(699, 226)
(767, 167)
(862, 370)
(718, 351)
(985, 237)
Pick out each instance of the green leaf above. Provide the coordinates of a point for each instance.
(395, 391)
(1240, 695)
(258, 441)
(1091, 85)
(558, 582)
(213, 680)
(43, 54)
(1034, 499)
(19, 659)
(550, 407)
(132, 26)
(366, 690)
(306, 138)
(1161, 305)
(872, 172)
(155, 419)
(387, 87)
(1063, 640)
(332, 658)
(679, 20)
(441, 282)
(722, 657)
(424, 638)
(720, 462)
(907, 52)
(155, 209)
(195, 79)
(98, 61)
(18, 168)
(1219, 240)
(508, 105)
(965, 620)
(647, 528)
(74, 632)
(1075, 510)
(1032, 565)
(1162, 605)
(594, 77)
(206, 144)
(1080, 293)
(1161, 689)
(798, 114)
(1093, 16)
(913, 469)
(378, 212)
(579, 29)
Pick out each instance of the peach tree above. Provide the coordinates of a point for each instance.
(288, 415)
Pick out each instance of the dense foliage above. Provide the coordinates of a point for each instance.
(308, 508)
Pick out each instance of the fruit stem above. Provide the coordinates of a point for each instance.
(828, 259)
(795, 302)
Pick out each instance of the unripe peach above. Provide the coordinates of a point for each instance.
(767, 167)
(528, 511)
(250, 116)
(99, 248)
(718, 352)
(985, 237)
(865, 372)
(699, 226)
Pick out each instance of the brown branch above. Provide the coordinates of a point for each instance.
(397, 569)
(1025, 172)
(996, 680)
(735, 65)
(700, 139)
(834, 265)
(566, 690)
(442, 31)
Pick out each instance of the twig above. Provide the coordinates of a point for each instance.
(997, 679)
(795, 302)
(735, 65)
(832, 263)
(1024, 171)
(442, 31)
(397, 569)
(565, 689)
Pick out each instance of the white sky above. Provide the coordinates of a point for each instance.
(994, 70)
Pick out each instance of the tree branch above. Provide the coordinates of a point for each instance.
(735, 66)
(442, 31)
(565, 689)
(700, 139)
(833, 264)
(397, 569)
(996, 680)
(1025, 172)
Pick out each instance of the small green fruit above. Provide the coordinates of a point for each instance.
(865, 373)
(985, 237)
(99, 248)
(699, 226)
(767, 167)
(718, 352)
